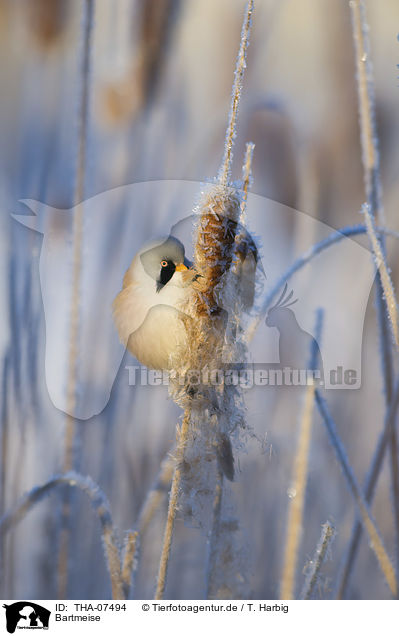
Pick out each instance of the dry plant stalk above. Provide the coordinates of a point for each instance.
(371, 169)
(214, 250)
(327, 535)
(381, 266)
(70, 429)
(370, 156)
(78, 233)
(149, 507)
(370, 525)
(369, 487)
(225, 170)
(219, 212)
(121, 564)
(129, 557)
(155, 496)
(101, 507)
(246, 178)
(211, 589)
(172, 508)
(213, 565)
(4, 435)
(126, 98)
(296, 508)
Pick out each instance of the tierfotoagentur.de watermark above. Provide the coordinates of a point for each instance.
(244, 377)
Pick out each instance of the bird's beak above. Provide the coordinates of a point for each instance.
(181, 267)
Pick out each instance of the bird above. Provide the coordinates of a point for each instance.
(148, 311)
(151, 310)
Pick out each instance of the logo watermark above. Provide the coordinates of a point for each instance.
(116, 229)
(245, 378)
(26, 615)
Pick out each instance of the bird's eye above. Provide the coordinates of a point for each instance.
(164, 263)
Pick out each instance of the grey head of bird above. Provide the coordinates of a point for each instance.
(161, 260)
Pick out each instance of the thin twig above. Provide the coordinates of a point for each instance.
(246, 177)
(211, 591)
(364, 510)
(69, 460)
(131, 557)
(172, 509)
(327, 535)
(83, 120)
(155, 496)
(369, 489)
(371, 169)
(214, 535)
(128, 559)
(366, 99)
(296, 508)
(225, 169)
(4, 433)
(380, 262)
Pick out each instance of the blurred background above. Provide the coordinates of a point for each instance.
(159, 94)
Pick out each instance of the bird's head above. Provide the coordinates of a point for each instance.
(165, 263)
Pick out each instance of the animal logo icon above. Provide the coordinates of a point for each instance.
(298, 349)
(116, 224)
(25, 614)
